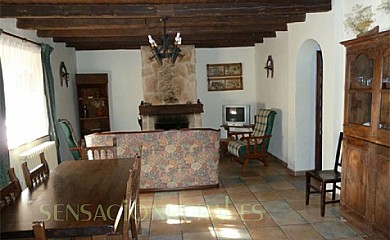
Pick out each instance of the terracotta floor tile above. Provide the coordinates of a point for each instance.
(334, 230)
(267, 196)
(301, 232)
(196, 225)
(164, 228)
(287, 218)
(232, 233)
(282, 185)
(192, 200)
(268, 233)
(265, 221)
(242, 197)
(210, 235)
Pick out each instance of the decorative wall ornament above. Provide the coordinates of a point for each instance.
(223, 77)
(269, 66)
(64, 75)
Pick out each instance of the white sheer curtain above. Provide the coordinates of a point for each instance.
(24, 91)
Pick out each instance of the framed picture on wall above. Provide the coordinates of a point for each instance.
(224, 77)
(225, 84)
(224, 70)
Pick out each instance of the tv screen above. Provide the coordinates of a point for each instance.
(236, 115)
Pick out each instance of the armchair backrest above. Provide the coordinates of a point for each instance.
(264, 121)
(69, 136)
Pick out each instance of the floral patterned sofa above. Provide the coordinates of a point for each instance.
(170, 160)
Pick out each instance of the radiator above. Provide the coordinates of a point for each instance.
(31, 156)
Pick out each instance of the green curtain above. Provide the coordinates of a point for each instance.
(4, 154)
(48, 78)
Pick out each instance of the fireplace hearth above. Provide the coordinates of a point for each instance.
(167, 122)
(170, 116)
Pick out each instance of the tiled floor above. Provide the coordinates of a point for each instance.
(258, 203)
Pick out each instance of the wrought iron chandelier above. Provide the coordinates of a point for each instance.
(166, 50)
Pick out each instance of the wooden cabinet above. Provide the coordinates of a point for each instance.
(365, 194)
(92, 98)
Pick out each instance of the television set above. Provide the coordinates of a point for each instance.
(236, 115)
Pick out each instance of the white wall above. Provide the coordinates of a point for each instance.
(286, 93)
(124, 69)
(213, 100)
(125, 85)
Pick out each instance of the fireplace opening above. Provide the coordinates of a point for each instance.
(168, 122)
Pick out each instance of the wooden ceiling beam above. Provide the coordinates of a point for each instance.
(126, 45)
(132, 23)
(151, 10)
(156, 33)
(191, 38)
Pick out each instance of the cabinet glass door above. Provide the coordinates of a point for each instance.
(360, 97)
(384, 121)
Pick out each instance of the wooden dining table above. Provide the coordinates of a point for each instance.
(80, 198)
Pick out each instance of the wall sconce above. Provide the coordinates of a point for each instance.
(269, 65)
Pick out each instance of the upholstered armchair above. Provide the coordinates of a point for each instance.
(253, 145)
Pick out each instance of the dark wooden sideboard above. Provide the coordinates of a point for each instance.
(365, 193)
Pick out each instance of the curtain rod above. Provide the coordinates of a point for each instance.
(22, 38)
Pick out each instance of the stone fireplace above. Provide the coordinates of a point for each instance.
(170, 98)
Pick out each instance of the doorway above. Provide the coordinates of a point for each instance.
(318, 113)
(308, 110)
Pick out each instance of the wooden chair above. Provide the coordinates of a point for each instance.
(253, 144)
(100, 152)
(37, 174)
(323, 178)
(131, 206)
(12, 191)
(135, 220)
(39, 230)
(74, 145)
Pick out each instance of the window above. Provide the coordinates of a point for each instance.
(25, 101)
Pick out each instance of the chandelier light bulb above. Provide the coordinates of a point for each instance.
(178, 39)
(152, 42)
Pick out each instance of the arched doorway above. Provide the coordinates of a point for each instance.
(308, 109)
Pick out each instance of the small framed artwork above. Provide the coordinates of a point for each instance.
(224, 77)
(225, 84)
(223, 70)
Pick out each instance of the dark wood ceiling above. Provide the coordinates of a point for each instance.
(125, 24)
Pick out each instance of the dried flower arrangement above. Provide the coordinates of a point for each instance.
(384, 6)
(360, 20)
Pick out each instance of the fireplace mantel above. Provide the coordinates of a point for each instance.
(171, 109)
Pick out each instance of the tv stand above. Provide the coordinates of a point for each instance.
(227, 127)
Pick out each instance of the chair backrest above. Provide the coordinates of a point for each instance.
(338, 159)
(39, 173)
(100, 152)
(39, 230)
(12, 190)
(70, 137)
(264, 121)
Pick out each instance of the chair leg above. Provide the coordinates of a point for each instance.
(323, 195)
(246, 161)
(334, 192)
(307, 188)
